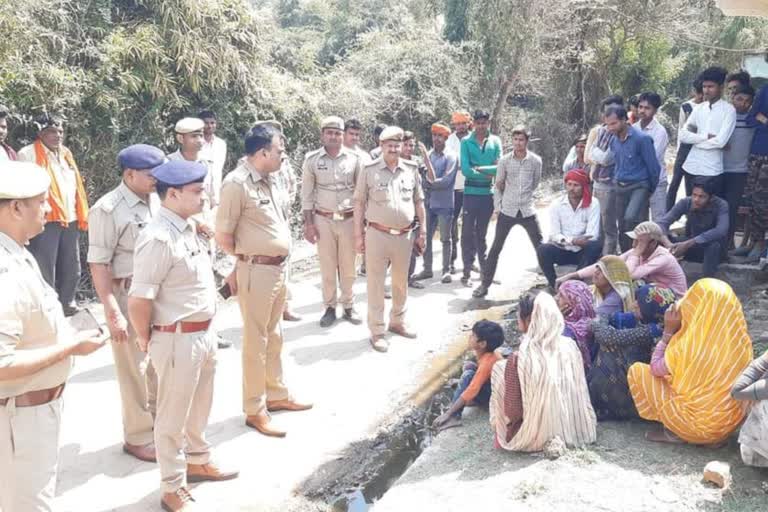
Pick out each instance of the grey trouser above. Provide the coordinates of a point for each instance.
(57, 252)
(605, 193)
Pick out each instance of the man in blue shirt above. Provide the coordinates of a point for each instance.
(636, 174)
(440, 179)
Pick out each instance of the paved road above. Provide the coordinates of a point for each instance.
(354, 388)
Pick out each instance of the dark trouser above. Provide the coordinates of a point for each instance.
(474, 227)
(458, 202)
(550, 254)
(414, 252)
(503, 225)
(606, 194)
(57, 251)
(677, 176)
(734, 193)
(709, 254)
(483, 397)
(442, 219)
(632, 203)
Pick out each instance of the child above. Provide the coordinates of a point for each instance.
(475, 383)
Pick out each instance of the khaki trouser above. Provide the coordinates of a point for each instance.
(261, 295)
(336, 249)
(138, 392)
(380, 249)
(185, 365)
(29, 455)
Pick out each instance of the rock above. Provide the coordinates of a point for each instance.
(719, 473)
(555, 448)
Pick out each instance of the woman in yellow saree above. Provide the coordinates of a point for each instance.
(687, 385)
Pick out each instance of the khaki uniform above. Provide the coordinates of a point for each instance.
(114, 224)
(252, 211)
(389, 199)
(328, 186)
(173, 268)
(30, 317)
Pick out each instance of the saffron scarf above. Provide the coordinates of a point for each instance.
(57, 213)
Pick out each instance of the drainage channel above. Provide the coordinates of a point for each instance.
(369, 469)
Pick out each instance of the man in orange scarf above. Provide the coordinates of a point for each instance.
(57, 249)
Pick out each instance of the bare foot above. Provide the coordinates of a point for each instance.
(664, 436)
(452, 422)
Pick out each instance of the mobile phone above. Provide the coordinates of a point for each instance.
(225, 291)
(85, 320)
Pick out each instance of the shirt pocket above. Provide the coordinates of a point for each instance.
(381, 192)
(406, 189)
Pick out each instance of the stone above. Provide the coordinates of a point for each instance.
(555, 448)
(718, 473)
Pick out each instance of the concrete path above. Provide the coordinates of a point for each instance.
(355, 390)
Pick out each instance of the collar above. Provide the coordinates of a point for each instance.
(11, 245)
(564, 200)
(255, 176)
(651, 126)
(344, 151)
(527, 154)
(176, 155)
(180, 224)
(129, 195)
(715, 104)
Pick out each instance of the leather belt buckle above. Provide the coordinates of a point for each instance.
(338, 216)
(393, 231)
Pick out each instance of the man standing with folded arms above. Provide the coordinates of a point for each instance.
(114, 224)
(329, 177)
(171, 304)
(389, 196)
(251, 224)
(36, 348)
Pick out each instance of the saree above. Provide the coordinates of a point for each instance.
(578, 321)
(552, 386)
(704, 359)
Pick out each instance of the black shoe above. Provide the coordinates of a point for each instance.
(351, 316)
(328, 318)
(453, 270)
(415, 284)
(447, 278)
(480, 291)
(422, 275)
(71, 310)
(223, 342)
(466, 281)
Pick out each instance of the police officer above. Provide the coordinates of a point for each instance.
(329, 177)
(36, 347)
(171, 303)
(389, 196)
(252, 225)
(114, 223)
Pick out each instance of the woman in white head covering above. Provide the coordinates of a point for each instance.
(540, 392)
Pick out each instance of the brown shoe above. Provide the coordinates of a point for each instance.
(262, 423)
(402, 330)
(208, 472)
(379, 343)
(290, 316)
(287, 405)
(178, 501)
(145, 452)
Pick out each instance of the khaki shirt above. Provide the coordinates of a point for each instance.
(114, 223)
(30, 318)
(329, 183)
(173, 267)
(252, 210)
(390, 198)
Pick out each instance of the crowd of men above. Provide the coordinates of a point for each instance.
(152, 241)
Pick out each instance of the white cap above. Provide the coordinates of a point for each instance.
(22, 180)
(647, 228)
(189, 125)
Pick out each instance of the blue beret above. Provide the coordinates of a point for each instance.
(177, 173)
(140, 156)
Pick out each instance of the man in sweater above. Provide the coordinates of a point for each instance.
(480, 152)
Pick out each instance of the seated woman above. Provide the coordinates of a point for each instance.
(704, 349)
(753, 438)
(612, 286)
(621, 343)
(576, 303)
(540, 392)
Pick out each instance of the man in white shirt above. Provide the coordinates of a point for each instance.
(646, 111)
(574, 235)
(709, 128)
(460, 123)
(214, 150)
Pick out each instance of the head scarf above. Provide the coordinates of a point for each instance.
(653, 302)
(460, 117)
(615, 270)
(441, 129)
(579, 320)
(580, 176)
(552, 384)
